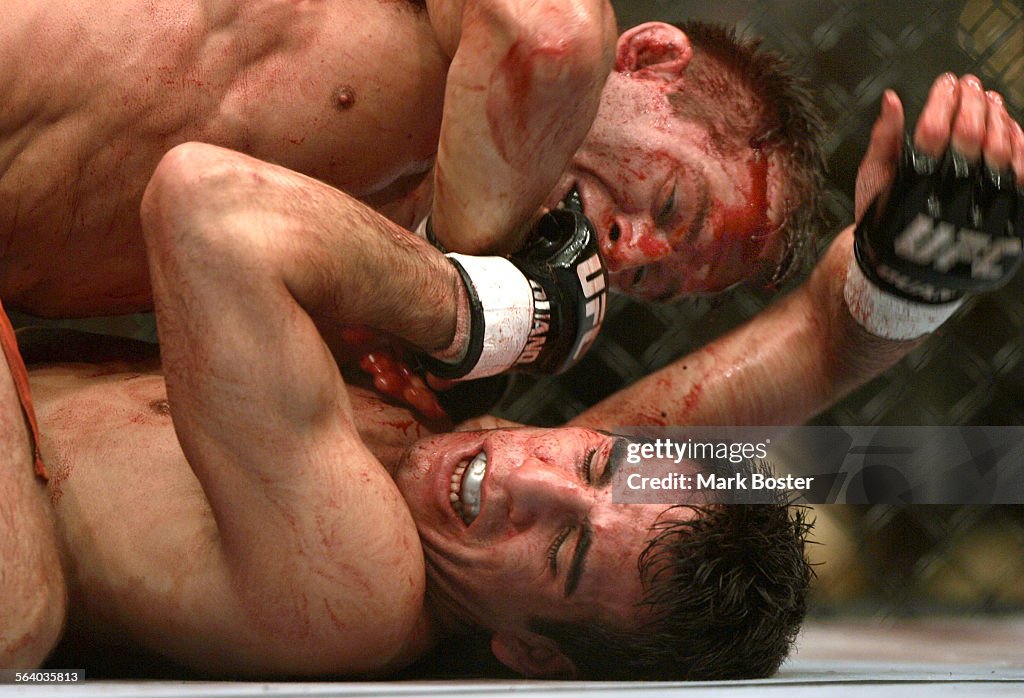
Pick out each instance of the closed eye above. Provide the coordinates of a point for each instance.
(586, 467)
(664, 217)
(555, 546)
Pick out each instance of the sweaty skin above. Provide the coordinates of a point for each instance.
(681, 204)
(86, 121)
(347, 91)
(262, 532)
(100, 424)
(284, 511)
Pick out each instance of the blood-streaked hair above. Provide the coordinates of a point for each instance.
(727, 76)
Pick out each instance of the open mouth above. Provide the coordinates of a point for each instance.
(464, 490)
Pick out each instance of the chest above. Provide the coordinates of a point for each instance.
(346, 91)
(138, 533)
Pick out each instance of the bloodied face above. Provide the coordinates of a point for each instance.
(681, 206)
(519, 524)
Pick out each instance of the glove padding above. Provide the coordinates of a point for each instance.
(538, 311)
(943, 229)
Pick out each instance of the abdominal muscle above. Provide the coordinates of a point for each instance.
(140, 542)
(96, 92)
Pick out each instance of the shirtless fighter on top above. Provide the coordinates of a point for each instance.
(474, 110)
(694, 155)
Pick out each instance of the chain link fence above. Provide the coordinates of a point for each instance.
(882, 560)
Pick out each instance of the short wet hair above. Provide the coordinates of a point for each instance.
(725, 593)
(725, 74)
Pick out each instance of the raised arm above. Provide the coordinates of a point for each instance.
(320, 554)
(523, 88)
(806, 351)
(780, 368)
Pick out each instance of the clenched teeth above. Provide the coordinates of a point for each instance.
(464, 488)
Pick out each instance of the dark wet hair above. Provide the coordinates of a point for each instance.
(725, 592)
(726, 71)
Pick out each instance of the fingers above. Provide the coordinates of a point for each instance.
(887, 134)
(970, 121)
(879, 163)
(1017, 139)
(997, 147)
(974, 122)
(932, 134)
(392, 377)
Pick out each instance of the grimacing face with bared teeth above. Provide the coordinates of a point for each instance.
(519, 524)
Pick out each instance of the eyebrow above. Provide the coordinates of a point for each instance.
(586, 537)
(700, 219)
(579, 558)
(616, 454)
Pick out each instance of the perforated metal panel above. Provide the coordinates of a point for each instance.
(880, 559)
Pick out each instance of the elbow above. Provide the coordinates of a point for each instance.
(185, 190)
(581, 41)
(196, 213)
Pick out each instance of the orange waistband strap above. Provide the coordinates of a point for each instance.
(9, 344)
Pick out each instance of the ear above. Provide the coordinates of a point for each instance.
(532, 655)
(653, 50)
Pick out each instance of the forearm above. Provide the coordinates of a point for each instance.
(808, 350)
(793, 360)
(523, 88)
(251, 266)
(249, 263)
(343, 263)
(361, 269)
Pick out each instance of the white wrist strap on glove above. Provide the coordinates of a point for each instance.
(890, 316)
(505, 297)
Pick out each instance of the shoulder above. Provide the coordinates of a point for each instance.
(350, 599)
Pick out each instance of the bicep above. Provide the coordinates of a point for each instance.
(307, 518)
(314, 535)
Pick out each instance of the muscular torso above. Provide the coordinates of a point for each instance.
(94, 93)
(138, 534)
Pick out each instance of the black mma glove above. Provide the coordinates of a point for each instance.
(538, 311)
(942, 229)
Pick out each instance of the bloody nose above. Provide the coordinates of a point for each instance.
(631, 243)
